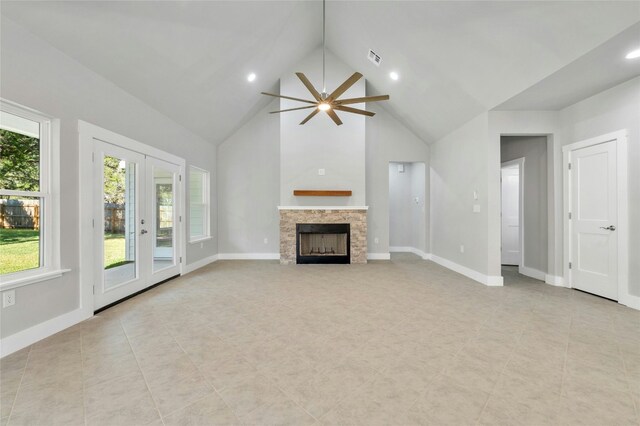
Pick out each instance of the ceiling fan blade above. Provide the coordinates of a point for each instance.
(354, 110)
(361, 100)
(289, 97)
(292, 109)
(309, 86)
(334, 116)
(310, 116)
(344, 86)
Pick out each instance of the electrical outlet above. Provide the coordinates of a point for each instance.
(461, 248)
(8, 298)
(376, 240)
(201, 245)
(266, 240)
(476, 208)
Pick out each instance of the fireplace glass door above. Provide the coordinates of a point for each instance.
(322, 243)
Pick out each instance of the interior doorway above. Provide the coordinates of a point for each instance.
(524, 205)
(407, 208)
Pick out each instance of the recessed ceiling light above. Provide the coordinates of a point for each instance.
(394, 75)
(251, 77)
(633, 54)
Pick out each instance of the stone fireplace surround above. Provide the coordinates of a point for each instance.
(356, 216)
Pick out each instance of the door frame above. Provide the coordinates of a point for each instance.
(87, 133)
(620, 138)
(520, 163)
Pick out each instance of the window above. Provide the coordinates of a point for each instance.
(28, 207)
(198, 204)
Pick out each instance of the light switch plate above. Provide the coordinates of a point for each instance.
(320, 172)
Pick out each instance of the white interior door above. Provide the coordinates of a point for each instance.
(136, 214)
(511, 215)
(593, 206)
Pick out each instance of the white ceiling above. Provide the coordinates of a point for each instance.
(602, 68)
(189, 60)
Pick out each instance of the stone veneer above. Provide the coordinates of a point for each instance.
(357, 218)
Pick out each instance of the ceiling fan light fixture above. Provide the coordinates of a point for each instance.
(329, 103)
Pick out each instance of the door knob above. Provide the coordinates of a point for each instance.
(144, 231)
(610, 227)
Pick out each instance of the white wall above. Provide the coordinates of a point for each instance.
(534, 227)
(250, 158)
(419, 208)
(249, 186)
(388, 140)
(320, 143)
(460, 166)
(38, 76)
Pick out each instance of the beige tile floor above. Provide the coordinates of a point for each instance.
(388, 343)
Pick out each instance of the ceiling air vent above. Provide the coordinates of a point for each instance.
(374, 57)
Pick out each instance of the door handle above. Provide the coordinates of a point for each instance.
(144, 231)
(610, 227)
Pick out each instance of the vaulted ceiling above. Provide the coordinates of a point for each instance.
(189, 60)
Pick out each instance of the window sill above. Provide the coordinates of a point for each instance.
(200, 239)
(15, 282)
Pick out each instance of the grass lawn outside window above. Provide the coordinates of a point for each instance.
(20, 250)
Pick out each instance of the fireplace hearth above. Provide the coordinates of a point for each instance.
(323, 243)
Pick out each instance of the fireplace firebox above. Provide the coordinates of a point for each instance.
(323, 243)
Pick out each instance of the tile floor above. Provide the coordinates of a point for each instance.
(388, 343)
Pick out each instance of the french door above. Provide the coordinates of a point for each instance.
(136, 222)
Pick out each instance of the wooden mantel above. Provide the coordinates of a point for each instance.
(321, 193)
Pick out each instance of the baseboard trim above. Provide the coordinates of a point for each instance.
(249, 256)
(24, 338)
(378, 256)
(199, 264)
(488, 280)
(630, 301)
(532, 273)
(418, 252)
(400, 249)
(554, 280)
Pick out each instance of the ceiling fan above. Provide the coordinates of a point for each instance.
(329, 103)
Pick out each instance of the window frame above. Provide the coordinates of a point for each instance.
(206, 202)
(49, 193)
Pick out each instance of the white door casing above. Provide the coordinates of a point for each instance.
(596, 222)
(510, 202)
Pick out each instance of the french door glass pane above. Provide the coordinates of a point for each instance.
(20, 237)
(119, 188)
(163, 248)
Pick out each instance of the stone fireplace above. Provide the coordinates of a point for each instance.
(323, 234)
